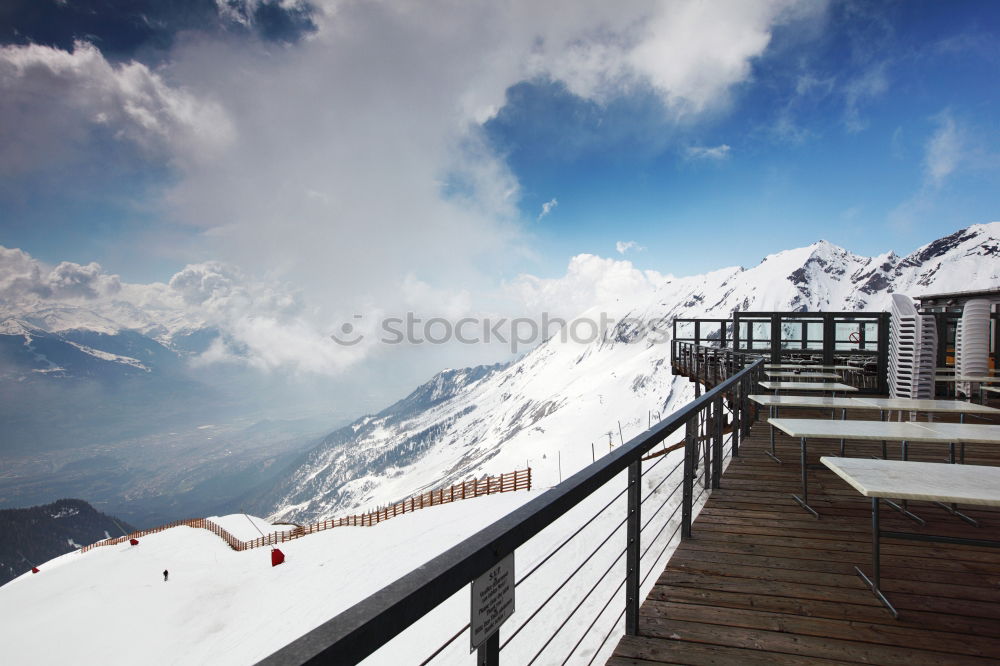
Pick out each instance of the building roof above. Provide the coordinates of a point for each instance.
(961, 296)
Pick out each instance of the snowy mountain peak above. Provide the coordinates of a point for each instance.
(566, 400)
(14, 326)
(976, 240)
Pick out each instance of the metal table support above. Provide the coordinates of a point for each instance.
(804, 500)
(874, 583)
(772, 414)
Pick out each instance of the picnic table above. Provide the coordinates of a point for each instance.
(884, 406)
(791, 374)
(832, 387)
(934, 482)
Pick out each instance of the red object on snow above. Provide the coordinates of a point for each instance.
(134, 542)
(34, 569)
(277, 557)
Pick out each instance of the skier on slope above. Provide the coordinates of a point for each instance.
(165, 574)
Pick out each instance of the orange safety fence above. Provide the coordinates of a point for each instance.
(505, 483)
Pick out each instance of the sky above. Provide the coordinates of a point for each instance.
(333, 157)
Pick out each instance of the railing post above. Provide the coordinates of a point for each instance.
(697, 378)
(717, 443)
(633, 528)
(690, 453)
(734, 404)
(705, 447)
(744, 405)
(489, 651)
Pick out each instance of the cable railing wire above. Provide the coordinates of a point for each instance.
(660, 508)
(662, 481)
(666, 545)
(449, 642)
(570, 538)
(577, 607)
(563, 584)
(360, 630)
(660, 531)
(594, 621)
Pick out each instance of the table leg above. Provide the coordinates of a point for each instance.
(843, 417)
(874, 582)
(961, 419)
(771, 453)
(953, 510)
(885, 448)
(905, 507)
(804, 500)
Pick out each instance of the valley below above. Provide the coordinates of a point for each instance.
(150, 480)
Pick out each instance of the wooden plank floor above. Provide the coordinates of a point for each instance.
(763, 582)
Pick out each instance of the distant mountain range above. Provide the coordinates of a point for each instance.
(567, 401)
(71, 387)
(40, 533)
(74, 376)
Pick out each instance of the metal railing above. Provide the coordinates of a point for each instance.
(721, 416)
(857, 339)
(708, 365)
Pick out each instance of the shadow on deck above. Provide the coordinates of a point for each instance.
(763, 582)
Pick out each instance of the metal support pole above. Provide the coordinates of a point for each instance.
(874, 581)
(489, 652)
(717, 443)
(706, 448)
(697, 379)
(687, 494)
(734, 403)
(775, 338)
(745, 407)
(633, 527)
(882, 364)
(829, 338)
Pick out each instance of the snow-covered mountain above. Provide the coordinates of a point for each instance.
(570, 399)
(40, 533)
(553, 409)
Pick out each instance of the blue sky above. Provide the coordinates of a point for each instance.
(872, 125)
(844, 157)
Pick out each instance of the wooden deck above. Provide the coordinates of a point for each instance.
(763, 582)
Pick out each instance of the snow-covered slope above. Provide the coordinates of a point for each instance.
(568, 400)
(219, 606)
(553, 410)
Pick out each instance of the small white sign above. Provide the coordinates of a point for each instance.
(492, 601)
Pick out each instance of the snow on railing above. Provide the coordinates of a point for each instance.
(505, 483)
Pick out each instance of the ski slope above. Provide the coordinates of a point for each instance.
(226, 607)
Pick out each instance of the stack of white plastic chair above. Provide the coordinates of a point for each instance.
(912, 350)
(972, 343)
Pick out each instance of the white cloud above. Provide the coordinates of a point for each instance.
(693, 52)
(624, 246)
(944, 151)
(589, 281)
(547, 207)
(356, 166)
(353, 164)
(719, 152)
(23, 278)
(870, 84)
(53, 102)
(264, 324)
